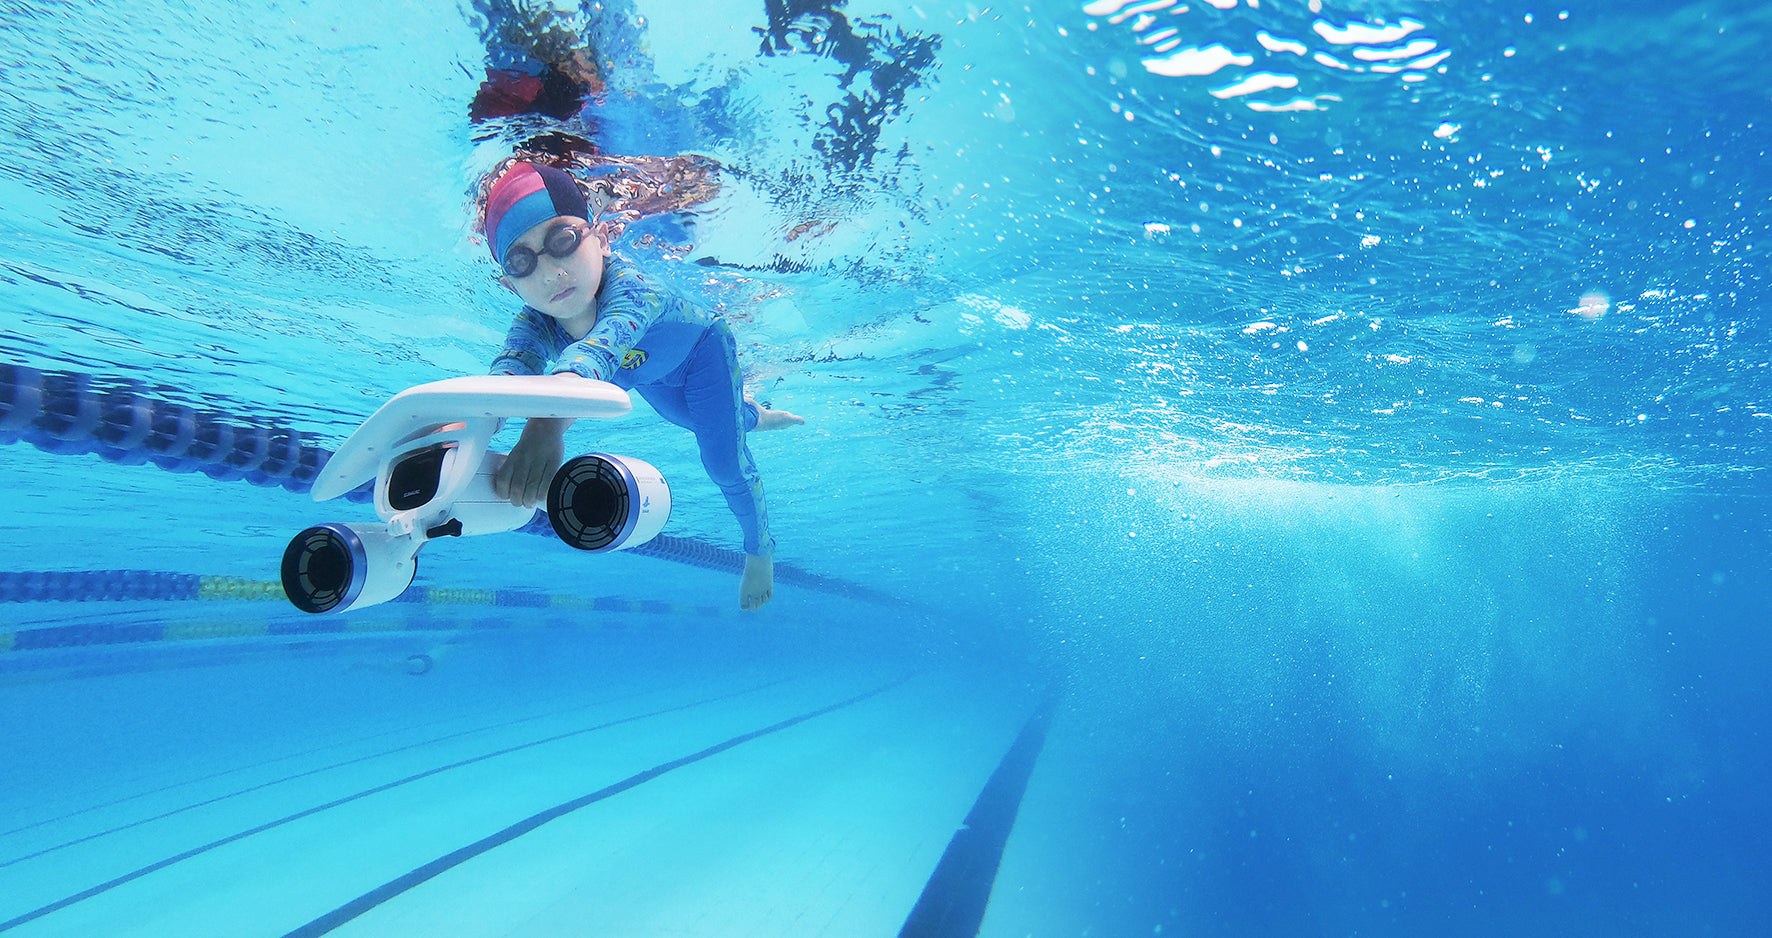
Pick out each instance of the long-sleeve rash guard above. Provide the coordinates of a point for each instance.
(644, 331)
(676, 354)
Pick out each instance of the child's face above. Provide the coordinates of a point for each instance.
(562, 287)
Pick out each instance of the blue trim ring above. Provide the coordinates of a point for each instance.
(353, 546)
(298, 573)
(633, 514)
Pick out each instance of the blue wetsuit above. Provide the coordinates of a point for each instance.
(680, 357)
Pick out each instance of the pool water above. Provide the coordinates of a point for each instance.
(1270, 468)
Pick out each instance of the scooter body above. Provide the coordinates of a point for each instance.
(426, 450)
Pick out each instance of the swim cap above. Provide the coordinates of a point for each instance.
(525, 196)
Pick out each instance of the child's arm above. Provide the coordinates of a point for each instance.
(529, 345)
(524, 476)
(626, 309)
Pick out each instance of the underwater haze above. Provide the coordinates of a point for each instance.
(1292, 467)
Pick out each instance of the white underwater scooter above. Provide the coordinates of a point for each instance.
(426, 451)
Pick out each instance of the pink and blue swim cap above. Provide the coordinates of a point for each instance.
(525, 196)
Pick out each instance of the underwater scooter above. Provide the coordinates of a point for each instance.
(426, 451)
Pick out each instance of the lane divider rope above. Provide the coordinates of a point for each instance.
(426, 610)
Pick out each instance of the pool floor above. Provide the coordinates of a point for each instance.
(611, 787)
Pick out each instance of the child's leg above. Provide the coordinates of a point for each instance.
(668, 401)
(713, 396)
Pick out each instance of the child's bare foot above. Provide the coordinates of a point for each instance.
(776, 419)
(758, 584)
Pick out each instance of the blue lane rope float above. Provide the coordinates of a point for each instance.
(167, 629)
(151, 586)
(71, 414)
(47, 586)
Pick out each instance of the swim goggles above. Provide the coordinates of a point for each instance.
(558, 243)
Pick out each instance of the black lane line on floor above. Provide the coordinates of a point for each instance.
(223, 773)
(954, 899)
(290, 778)
(133, 875)
(395, 887)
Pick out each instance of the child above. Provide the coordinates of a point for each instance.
(595, 314)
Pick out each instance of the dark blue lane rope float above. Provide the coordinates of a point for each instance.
(71, 414)
(424, 602)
